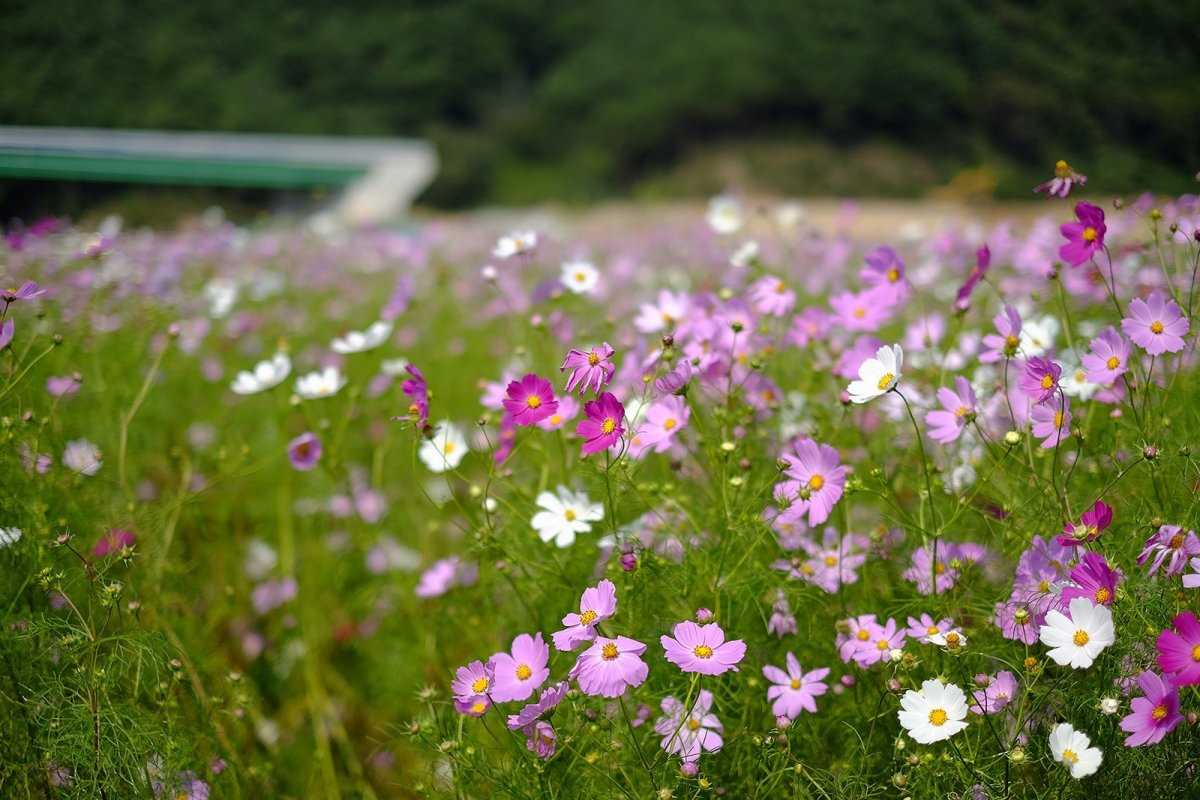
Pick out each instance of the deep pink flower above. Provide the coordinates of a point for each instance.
(591, 370)
(1085, 236)
(1108, 359)
(884, 273)
(1052, 422)
(522, 670)
(820, 477)
(597, 604)
(530, 400)
(1153, 715)
(1092, 523)
(114, 541)
(1155, 324)
(1039, 379)
(958, 407)
(304, 451)
(983, 260)
(1064, 178)
(417, 389)
(702, 648)
(794, 691)
(1005, 342)
(1169, 547)
(610, 666)
(1179, 653)
(603, 426)
(1094, 579)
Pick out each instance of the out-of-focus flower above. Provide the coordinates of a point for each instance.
(516, 243)
(724, 214)
(304, 452)
(320, 383)
(361, 341)
(958, 407)
(1064, 179)
(565, 515)
(266, 375)
(445, 449)
(579, 277)
(82, 456)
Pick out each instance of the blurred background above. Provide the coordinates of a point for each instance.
(533, 102)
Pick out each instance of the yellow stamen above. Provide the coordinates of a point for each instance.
(795, 683)
(816, 481)
(830, 561)
(479, 686)
(1069, 756)
(931, 630)
(570, 515)
(479, 707)
(693, 724)
(886, 381)
(669, 424)
(588, 617)
(863, 635)
(1047, 381)
(593, 359)
(1081, 638)
(1159, 712)
(1156, 327)
(1058, 419)
(1196, 653)
(938, 717)
(609, 652)
(533, 401)
(1103, 595)
(703, 651)
(524, 673)
(893, 275)
(1089, 234)
(860, 312)
(609, 425)
(1113, 362)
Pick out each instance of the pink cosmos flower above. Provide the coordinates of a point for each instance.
(610, 666)
(884, 273)
(821, 479)
(1192, 579)
(921, 629)
(7, 329)
(28, 291)
(597, 604)
(590, 370)
(1092, 578)
(568, 407)
(1018, 618)
(602, 428)
(1170, 547)
(771, 296)
(702, 648)
(304, 451)
(688, 733)
(1085, 236)
(860, 632)
(1179, 653)
(1092, 523)
(1155, 324)
(1153, 715)
(884, 639)
(550, 698)
(63, 386)
(444, 575)
(417, 389)
(995, 692)
(862, 311)
(520, 672)
(1039, 379)
(1108, 359)
(530, 400)
(927, 574)
(662, 421)
(782, 622)
(1064, 178)
(1052, 422)
(983, 260)
(832, 563)
(1005, 342)
(794, 691)
(809, 325)
(473, 680)
(675, 381)
(958, 407)
(670, 309)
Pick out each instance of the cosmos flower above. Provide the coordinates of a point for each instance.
(610, 666)
(675, 381)
(1078, 639)
(1064, 179)
(864, 311)
(519, 672)
(603, 426)
(1179, 650)
(591, 370)
(1073, 749)
(568, 407)
(1085, 236)
(1039, 379)
(819, 479)
(265, 375)
(669, 310)
(935, 713)
(361, 341)
(702, 648)
(304, 451)
(983, 260)
(662, 421)
(958, 407)
(883, 640)
(1155, 324)
(1092, 523)
(320, 383)
(514, 244)
(579, 277)
(995, 692)
(1007, 339)
(417, 389)
(564, 515)
(1092, 578)
(884, 274)
(724, 214)
(771, 296)
(794, 691)
(444, 575)
(472, 681)
(64, 386)
(1108, 358)
(597, 604)
(1052, 422)
(530, 400)
(27, 291)
(82, 457)
(877, 376)
(1169, 548)
(444, 449)
(551, 696)
(689, 732)
(921, 629)
(1153, 715)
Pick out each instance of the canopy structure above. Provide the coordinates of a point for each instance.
(396, 169)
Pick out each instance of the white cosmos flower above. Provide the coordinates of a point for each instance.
(445, 449)
(1074, 382)
(579, 276)
(221, 294)
(515, 244)
(1073, 749)
(393, 366)
(265, 375)
(878, 375)
(9, 536)
(742, 257)
(1079, 639)
(322, 383)
(952, 639)
(361, 341)
(1037, 335)
(935, 713)
(724, 214)
(564, 515)
(83, 457)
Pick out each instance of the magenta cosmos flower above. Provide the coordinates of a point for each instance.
(610, 666)
(591, 370)
(304, 451)
(1169, 547)
(821, 478)
(794, 691)
(1179, 653)
(958, 407)
(1094, 579)
(602, 428)
(530, 400)
(1155, 324)
(597, 604)
(1039, 379)
(116, 540)
(702, 648)
(1153, 715)
(1085, 236)
(1108, 359)
(1092, 523)
(1007, 339)
(983, 260)
(521, 671)
(418, 390)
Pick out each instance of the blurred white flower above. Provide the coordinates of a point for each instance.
(1037, 335)
(564, 515)
(83, 457)
(266, 375)
(579, 277)
(393, 366)
(9, 536)
(322, 383)
(724, 214)
(361, 341)
(445, 449)
(221, 294)
(742, 257)
(515, 244)
(260, 559)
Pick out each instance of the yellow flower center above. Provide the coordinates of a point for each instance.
(816, 481)
(479, 707)
(863, 635)
(533, 401)
(609, 652)
(580, 277)
(588, 617)
(893, 275)
(1156, 327)
(1089, 234)
(938, 717)
(807, 569)
(570, 515)
(448, 448)
(669, 424)
(886, 380)
(1176, 541)
(693, 724)
(961, 411)
(1058, 419)
(781, 288)
(1062, 169)
(524, 673)
(1113, 362)
(931, 630)
(1081, 638)
(795, 684)
(556, 419)
(1080, 376)
(860, 312)
(1196, 653)
(952, 640)
(1011, 342)
(830, 561)
(883, 644)
(1047, 381)
(1103, 595)
(703, 651)
(593, 359)
(1070, 757)
(1159, 712)
(479, 686)
(1044, 585)
(939, 568)
(609, 425)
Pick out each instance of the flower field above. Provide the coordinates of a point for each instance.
(726, 505)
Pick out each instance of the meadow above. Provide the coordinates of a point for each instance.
(721, 505)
